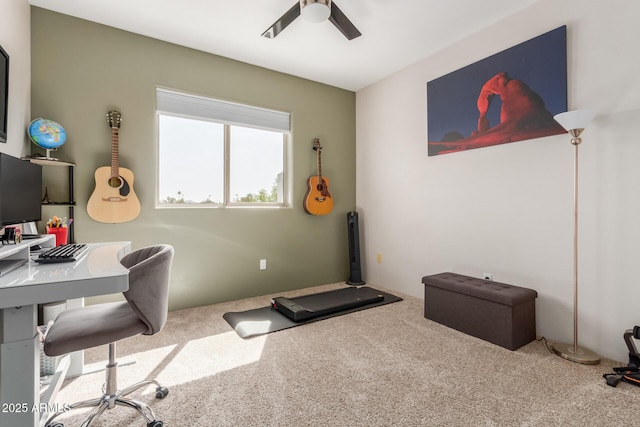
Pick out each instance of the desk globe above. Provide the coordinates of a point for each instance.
(47, 134)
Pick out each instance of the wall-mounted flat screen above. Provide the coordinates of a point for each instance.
(4, 93)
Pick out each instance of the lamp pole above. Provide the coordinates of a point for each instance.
(575, 140)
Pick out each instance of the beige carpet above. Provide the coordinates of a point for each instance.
(386, 366)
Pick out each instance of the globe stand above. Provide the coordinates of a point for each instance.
(48, 155)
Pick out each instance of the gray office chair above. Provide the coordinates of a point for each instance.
(143, 312)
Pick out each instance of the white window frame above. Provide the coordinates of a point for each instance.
(180, 104)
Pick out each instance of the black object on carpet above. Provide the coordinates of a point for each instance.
(264, 320)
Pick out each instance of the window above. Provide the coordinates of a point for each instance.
(214, 153)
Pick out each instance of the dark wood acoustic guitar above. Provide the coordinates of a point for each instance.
(113, 200)
(318, 200)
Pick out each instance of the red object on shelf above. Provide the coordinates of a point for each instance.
(62, 233)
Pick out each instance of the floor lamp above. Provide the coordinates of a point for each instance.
(575, 122)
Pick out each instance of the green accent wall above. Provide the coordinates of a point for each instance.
(80, 70)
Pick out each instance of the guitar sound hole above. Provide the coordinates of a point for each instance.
(115, 182)
(320, 187)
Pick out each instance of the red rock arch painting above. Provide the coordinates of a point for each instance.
(507, 97)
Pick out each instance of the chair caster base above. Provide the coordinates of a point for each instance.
(162, 392)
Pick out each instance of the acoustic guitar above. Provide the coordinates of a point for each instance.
(318, 200)
(113, 200)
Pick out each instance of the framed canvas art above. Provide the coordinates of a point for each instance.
(507, 97)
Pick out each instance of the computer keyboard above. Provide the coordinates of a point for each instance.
(63, 253)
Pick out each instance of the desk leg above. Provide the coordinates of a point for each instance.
(19, 367)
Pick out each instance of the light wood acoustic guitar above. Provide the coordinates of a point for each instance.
(318, 200)
(113, 200)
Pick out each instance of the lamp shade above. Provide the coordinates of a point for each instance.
(576, 119)
(315, 10)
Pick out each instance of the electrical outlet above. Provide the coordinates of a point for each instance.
(263, 264)
(487, 276)
(379, 258)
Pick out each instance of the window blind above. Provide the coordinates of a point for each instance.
(172, 102)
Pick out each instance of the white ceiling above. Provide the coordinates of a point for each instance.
(395, 33)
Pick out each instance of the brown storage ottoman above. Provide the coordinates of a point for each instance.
(496, 312)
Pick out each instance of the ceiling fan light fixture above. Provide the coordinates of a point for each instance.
(315, 10)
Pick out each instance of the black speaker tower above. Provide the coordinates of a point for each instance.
(355, 274)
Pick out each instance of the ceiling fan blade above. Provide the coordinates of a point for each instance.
(283, 22)
(342, 23)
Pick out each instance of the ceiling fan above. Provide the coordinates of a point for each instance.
(314, 11)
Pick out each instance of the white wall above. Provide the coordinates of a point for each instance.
(15, 38)
(507, 209)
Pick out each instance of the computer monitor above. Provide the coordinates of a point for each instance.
(20, 190)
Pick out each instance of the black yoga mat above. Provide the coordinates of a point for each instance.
(264, 320)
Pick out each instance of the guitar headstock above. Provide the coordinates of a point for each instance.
(316, 144)
(114, 118)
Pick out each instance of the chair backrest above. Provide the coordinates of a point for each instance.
(148, 293)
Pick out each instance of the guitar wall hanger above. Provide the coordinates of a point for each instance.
(318, 200)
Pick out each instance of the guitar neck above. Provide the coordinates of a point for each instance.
(115, 167)
(319, 164)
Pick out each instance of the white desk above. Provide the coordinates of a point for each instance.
(98, 272)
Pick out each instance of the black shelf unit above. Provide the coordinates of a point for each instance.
(71, 202)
